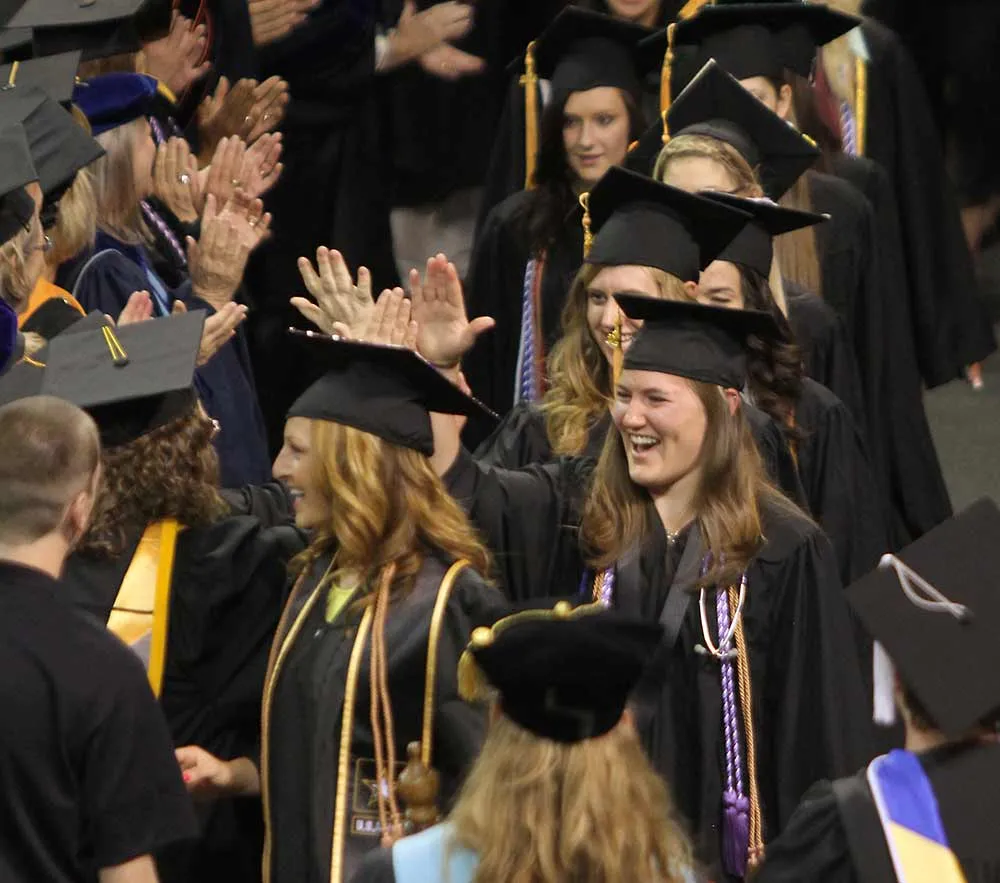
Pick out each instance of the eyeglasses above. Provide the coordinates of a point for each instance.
(44, 248)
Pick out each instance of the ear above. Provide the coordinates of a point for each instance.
(732, 397)
(691, 289)
(80, 508)
(784, 108)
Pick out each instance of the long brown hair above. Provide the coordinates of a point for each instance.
(579, 375)
(386, 507)
(171, 472)
(732, 489)
(536, 811)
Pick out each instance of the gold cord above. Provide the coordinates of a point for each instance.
(665, 96)
(115, 347)
(529, 81)
(12, 77)
(860, 103)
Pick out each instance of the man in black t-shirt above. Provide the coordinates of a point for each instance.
(89, 781)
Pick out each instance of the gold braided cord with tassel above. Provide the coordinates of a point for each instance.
(12, 76)
(529, 80)
(665, 96)
(860, 103)
(692, 7)
(755, 846)
(588, 236)
(614, 340)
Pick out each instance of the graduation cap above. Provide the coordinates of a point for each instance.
(582, 50)
(388, 391)
(132, 380)
(933, 609)
(639, 221)
(112, 100)
(562, 674)
(15, 42)
(16, 206)
(99, 28)
(689, 339)
(756, 39)
(716, 105)
(59, 145)
(25, 378)
(54, 75)
(753, 246)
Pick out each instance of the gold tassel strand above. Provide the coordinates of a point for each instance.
(665, 96)
(529, 81)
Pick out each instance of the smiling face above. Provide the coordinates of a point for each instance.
(642, 12)
(720, 285)
(603, 312)
(296, 467)
(596, 129)
(662, 422)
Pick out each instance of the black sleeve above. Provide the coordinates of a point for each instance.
(813, 846)
(529, 519)
(269, 503)
(520, 440)
(375, 867)
(134, 801)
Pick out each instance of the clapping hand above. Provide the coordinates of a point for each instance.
(449, 63)
(175, 179)
(445, 332)
(248, 217)
(341, 307)
(217, 261)
(272, 20)
(391, 322)
(138, 308)
(220, 327)
(176, 59)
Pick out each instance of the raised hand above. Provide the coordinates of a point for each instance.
(448, 63)
(341, 307)
(391, 322)
(217, 261)
(224, 113)
(445, 332)
(175, 179)
(177, 59)
(261, 166)
(138, 308)
(220, 328)
(270, 99)
(248, 217)
(221, 177)
(272, 20)
(420, 32)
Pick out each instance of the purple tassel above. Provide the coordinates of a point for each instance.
(735, 833)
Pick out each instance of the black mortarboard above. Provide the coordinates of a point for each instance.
(59, 145)
(17, 170)
(26, 377)
(15, 42)
(637, 220)
(688, 339)
(131, 380)
(934, 608)
(716, 105)
(99, 29)
(54, 75)
(759, 39)
(565, 675)
(753, 246)
(388, 391)
(582, 50)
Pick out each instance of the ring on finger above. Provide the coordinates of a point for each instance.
(184, 178)
(236, 182)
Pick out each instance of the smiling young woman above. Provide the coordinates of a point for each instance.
(532, 243)
(677, 523)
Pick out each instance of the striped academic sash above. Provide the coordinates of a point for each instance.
(141, 612)
(911, 820)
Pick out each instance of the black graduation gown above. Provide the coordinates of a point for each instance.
(950, 320)
(806, 680)
(815, 847)
(900, 444)
(521, 440)
(838, 481)
(304, 703)
(225, 384)
(496, 287)
(226, 598)
(826, 348)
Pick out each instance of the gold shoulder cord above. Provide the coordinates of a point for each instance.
(529, 81)
(860, 103)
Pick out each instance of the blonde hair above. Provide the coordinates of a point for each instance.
(387, 507)
(76, 221)
(118, 210)
(537, 811)
(15, 285)
(579, 375)
(795, 253)
(732, 488)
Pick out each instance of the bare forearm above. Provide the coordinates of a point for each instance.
(244, 778)
(138, 870)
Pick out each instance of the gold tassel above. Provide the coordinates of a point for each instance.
(691, 7)
(665, 98)
(618, 356)
(12, 77)
(530, 83)
(860, 103)
(588, 237)
(472, 683)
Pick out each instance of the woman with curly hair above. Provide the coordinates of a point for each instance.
(363, 669)
(531, 244)
(614, 819)
(195, 591)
